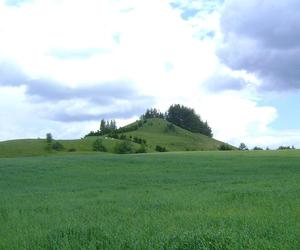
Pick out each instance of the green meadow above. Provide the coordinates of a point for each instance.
(189, 200)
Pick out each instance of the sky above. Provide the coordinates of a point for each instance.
(66, 64)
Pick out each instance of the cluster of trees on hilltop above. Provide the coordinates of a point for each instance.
(186, 118)
(106, 127)
(152, 113)
(177, 114)
(183, 117)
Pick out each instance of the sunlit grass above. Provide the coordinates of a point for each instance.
(199, 200)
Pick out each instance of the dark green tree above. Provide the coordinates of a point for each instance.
(124, 147)
(225, 147)
(57, 146)
(49, 138)
(152, 113)
(102, 126)
(243, 146)
(186, 118)
(98, 146)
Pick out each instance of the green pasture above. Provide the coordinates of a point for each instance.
(191, 200)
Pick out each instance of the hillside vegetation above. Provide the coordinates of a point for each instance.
(160, 132)
(189, 200)
(155, 132)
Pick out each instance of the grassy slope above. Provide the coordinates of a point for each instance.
(154, 131)
(192, 200)
(36, 147)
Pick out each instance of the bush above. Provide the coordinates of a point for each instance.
(139, 140)
(98, 146)
(225, 147)
(141, 150)
(124, 147)
(257, 148)
(72, 150)
(57, 146)
(159, 148)
(286, 148)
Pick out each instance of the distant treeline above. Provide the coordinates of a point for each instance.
(177, 114)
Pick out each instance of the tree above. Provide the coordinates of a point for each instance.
(57, 146)
(98, 146)
(159, 148)
(186, 118)
(102, 126)
(152, 113)
(243, 146)
(124, 147)
(112, 125)
(142, 149)
(49, 138)
(225, 147)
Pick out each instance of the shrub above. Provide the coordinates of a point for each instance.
(159, 148)
(57, 146)
(142, 149)
(72, 150)
(98, 146)
(225, 147)
(286, 148)
(124, 147)
(257, 148)
(139, 140)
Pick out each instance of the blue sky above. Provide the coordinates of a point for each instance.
(113, 59)
(287, 105)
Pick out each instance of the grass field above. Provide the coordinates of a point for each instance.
(37, 147)
(192, 200)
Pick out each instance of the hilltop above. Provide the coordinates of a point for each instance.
(159, 132)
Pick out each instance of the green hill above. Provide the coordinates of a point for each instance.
(156, 132)
(160, 132)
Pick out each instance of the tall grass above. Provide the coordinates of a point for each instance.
(207, 200)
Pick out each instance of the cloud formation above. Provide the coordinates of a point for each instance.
(113, 59)
(95, 100)
(263, 38)
(220, 82)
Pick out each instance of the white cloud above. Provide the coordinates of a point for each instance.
(146, 43)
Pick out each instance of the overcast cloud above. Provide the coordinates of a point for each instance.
(263, 37)
(66, 64)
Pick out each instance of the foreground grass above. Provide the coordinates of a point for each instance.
(206, 200)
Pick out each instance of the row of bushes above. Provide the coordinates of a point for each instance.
(130, 138)
(57, 146)
(124, 147)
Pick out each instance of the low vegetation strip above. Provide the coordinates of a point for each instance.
(192, 200)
